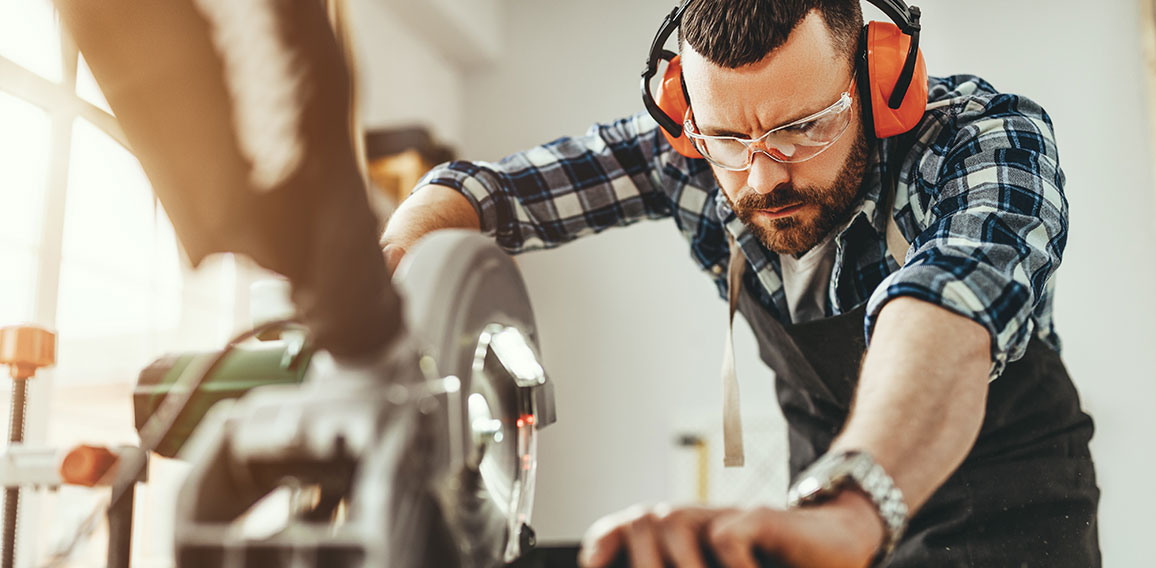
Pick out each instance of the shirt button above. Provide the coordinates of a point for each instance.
(717, 269)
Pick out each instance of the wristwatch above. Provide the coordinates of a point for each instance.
(833, 472)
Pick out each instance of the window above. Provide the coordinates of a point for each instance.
(86, 251)
(30, 37)
(24, 150)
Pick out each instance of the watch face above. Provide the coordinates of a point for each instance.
(808, 487)
(825, 476)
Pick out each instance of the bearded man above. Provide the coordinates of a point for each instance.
(929, 231)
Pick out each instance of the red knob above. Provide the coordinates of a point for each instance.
(86, 465)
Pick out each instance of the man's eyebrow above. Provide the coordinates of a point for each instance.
(717, 131)
(710, 130)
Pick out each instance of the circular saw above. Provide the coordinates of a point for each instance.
(467, 307)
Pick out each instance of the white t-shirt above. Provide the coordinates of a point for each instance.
(806, 279)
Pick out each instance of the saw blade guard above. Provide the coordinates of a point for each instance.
(468, 309)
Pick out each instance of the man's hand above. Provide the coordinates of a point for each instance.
(392, 253)
(432, 208)
(843, 532)
(652, 537)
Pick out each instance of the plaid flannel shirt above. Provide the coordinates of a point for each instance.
(980, 198)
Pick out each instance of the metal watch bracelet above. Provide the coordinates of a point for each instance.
(832, 472)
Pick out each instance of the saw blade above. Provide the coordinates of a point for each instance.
(465, 301)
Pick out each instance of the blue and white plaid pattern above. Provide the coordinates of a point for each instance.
(980, 197)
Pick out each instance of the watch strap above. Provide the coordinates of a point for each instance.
(832, 472)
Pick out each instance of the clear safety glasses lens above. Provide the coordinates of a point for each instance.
(791, 143)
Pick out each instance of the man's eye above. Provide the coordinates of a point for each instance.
(801, 128)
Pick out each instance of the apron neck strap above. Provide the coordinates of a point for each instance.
(732, 417)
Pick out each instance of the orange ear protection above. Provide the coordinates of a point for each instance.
(892, 76)
(672, 101)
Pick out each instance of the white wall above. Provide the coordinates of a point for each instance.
(632, 332)
(403, 79)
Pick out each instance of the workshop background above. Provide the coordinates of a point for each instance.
(631, 332)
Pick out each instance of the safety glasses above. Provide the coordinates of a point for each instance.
(791, 143)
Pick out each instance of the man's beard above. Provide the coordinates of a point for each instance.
(789, 235)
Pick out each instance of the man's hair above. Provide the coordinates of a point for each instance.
(734, 33)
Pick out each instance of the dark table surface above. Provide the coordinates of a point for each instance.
(566, 556)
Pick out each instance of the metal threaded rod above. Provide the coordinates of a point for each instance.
(12, 494)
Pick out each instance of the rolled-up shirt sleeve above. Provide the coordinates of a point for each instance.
(573, 186)
(994, 224)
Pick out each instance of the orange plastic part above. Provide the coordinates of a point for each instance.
(886, 54)
(86, 465)
(672, 101)
(26, 348)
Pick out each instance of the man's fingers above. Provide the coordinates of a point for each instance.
(732, 538)
(602, 541)
(683, 544)
(631, 532)
(601, 553)
(393, 254)
(642, 541)
(650, 537)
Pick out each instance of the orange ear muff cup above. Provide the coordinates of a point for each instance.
(672, 101)
(886, 53)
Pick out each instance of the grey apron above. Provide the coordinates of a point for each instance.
(1026, 495)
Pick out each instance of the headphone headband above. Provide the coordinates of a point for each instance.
(907, 18)
(659, 52)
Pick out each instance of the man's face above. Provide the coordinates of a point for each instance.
(789, 207)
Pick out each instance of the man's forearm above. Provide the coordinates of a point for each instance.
(431, 208)
(921, 395)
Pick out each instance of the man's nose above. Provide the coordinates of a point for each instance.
(766, 174)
